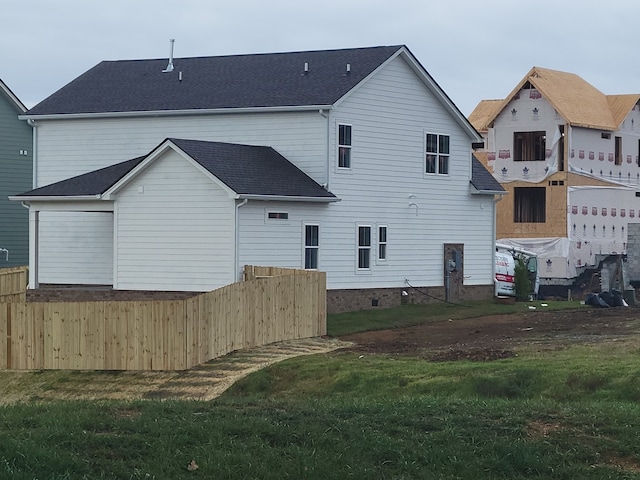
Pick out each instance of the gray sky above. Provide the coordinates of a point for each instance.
(474, 49)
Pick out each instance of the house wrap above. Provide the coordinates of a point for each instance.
(569, 156)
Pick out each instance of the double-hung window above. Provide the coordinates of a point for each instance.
(364, 247)
(437, 154)
(382, 243)
(311, 246)
(344, 146)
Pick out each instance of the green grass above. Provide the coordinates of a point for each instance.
(571, 413)
(341, 324)
(565, 414)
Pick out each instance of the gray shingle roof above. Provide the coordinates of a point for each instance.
(237, 81)
(247, 170)
(88, 184)
(481, 179)
(252, 170)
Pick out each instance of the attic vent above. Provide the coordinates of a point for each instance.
(170, 65)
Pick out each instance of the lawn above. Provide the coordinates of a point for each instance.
(567, 413)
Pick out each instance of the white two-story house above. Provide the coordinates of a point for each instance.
(171, 175)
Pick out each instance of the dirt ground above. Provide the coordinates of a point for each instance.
(493, 337)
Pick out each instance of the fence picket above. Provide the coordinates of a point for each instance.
(272, 304)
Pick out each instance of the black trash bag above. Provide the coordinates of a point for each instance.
(608, 298)
(618, 301)
(592, 299)
(596, 300)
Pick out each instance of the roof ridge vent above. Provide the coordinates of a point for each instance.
(170, 65)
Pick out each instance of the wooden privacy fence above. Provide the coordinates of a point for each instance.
(13, 284)
(163, 335)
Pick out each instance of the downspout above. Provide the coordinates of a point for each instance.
(327, 164)
(236, 269)
(31, 122)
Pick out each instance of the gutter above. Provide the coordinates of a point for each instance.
(47, 198)
(284, 198)
(169, 113)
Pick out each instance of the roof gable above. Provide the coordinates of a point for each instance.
(209, 83)
(577, 101)
(621, 105)
(252, 170)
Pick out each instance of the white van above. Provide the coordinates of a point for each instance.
(505, 274)
(506, 270)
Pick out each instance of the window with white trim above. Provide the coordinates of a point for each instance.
(364, 247)
(276, 216)
(382, 243)
(437, 154)
(344, 146)
(311, 246)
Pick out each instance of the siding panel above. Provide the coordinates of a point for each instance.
(175, 230)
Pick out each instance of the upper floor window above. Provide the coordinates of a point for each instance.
(437, 154)
(529, 146)
(344, 146)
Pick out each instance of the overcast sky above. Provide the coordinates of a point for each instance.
(474, 49)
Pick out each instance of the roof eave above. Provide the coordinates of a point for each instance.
(167, 113)
(54, 198)
(287, 198)
(475, 191)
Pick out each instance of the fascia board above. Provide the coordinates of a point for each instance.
(284, 198)
(169, 113)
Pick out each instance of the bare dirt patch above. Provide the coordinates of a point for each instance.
(498, 336)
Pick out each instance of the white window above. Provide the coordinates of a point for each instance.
(344, 146)
(364, 247)
(382, 243)
(437, 154)
(276, 216)
(311, 246)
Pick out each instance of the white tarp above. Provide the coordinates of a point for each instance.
(597, 221)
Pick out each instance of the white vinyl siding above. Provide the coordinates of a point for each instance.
(275, 242)
(72, 147)
(389, 176)
(389, 114)
(175, 230)
(78, 248)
